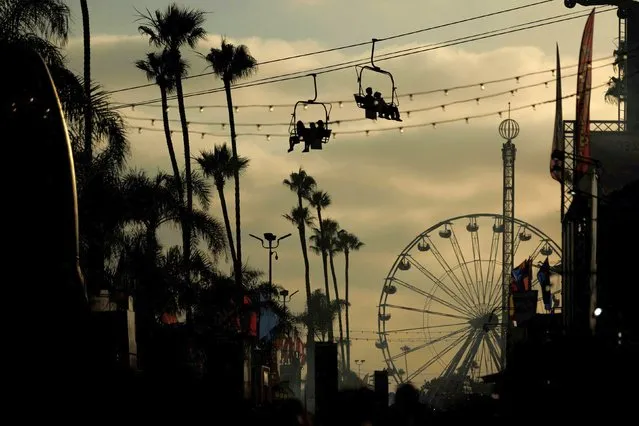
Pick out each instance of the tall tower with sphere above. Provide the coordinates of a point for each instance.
(508, 129)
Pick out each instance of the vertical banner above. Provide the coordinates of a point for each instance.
(558, 143)
(584, 84)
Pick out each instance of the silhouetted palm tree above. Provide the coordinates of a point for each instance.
(232, 63)
(88, 123)
(331, 228)
(221, 165)
(156, 68)
(320, 245)
(321, 315)
(172, 30)
(347, 242)
(320, 200)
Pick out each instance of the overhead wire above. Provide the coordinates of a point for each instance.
(383, 57)
(358, 44)
(153, 120)
(401, 129)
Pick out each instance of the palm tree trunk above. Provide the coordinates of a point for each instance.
(339, 312)
(236, 177)
(88, 124)
(348, 327)
(310, 340)
(169, 143)
(227, 222)
(186, 225)
(325, 266)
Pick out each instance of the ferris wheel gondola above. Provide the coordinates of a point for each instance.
(318, 132)
(374, 104)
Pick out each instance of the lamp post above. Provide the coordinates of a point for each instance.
(270, 238)
(359, 363)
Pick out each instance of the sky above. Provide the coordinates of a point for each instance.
(387, 187)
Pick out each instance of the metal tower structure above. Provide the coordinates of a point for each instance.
(622, 55)
(508, 129)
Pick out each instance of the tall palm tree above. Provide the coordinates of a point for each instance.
(347, 242)
(320, 244)
(155, 66)
(302, 185)
(331, 228)
(221, 165)
(88, 124)
(172, 30)
(322, 314)
(321, 200)
(232, 63)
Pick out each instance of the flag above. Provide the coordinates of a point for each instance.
(543, 276)
(268, 321)
(558, 145)
(521, 277)
(584, 85)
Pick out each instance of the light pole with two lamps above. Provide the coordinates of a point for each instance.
(270, 239)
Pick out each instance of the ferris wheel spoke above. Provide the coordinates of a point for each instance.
(432, 297)
(492, 263)
(493, 345)
(463, 302)
(452, 366)
(490, 362)
(431, 342)
(473, 228)
(453, 277)
(471, 356)
(426, 327)
(439, 355)
(423, 311)
(459, 255)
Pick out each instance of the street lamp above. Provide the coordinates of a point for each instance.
(359, 363)
(286, 297)
(270, 238)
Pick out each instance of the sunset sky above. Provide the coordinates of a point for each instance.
(386, 187)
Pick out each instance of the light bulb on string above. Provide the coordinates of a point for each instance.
(410, 96)
(338, 123)
(401, 130)
(477, 100)
(334, 135)
(517, 80)
(167, 109)
(482, 87)
(443, 107)
(368, 132)
(305, 106)
(201, 109)
(407, 114)
(139, 129)
(534, 107)
(153, 122)
(512, 92)
(434, 125)
(553, 72)
(259, 127)
(32, 99)
(223, 126)
(237, 109)
(171, 132)
(341, 104)
(132, 107)
(268, 137)
(500, 114)
(203, 135)
(446, 92)
(546, 84)
(467, 120)
(271, 108)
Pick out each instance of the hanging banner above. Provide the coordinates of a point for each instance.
(558, 143)
(584, 84)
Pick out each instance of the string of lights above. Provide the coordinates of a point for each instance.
(349, 65)
(359, 44)
(410, 96)
(367, 132)
(407, 113)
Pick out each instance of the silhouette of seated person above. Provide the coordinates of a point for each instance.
(385, 110)
(300, 134)
(367, 102)
(311, 137)
(323, 134)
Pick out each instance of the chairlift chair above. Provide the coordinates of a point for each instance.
(319, 139)
(370, 108)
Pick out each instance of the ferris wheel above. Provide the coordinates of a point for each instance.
(440, 308)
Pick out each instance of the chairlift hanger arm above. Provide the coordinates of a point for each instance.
(314, 87)
(373, 54)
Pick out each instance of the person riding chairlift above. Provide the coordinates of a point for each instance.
(387, 111)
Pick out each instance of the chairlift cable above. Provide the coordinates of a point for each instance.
(384, 57)
(360, 44)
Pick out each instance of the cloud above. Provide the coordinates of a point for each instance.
(386, 187)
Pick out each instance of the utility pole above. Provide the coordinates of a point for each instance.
(270, 238)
